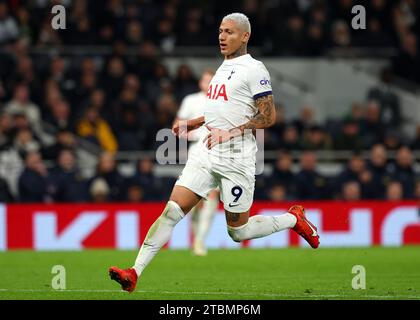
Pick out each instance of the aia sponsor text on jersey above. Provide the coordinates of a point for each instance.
(217, 91)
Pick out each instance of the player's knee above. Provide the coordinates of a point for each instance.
(238, 234)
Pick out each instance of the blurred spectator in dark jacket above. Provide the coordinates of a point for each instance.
(272, 135)
(351, 172)
(377, 165)
(388, 101)
(282, 173)
(373, 130)
(9, 29)
(349, 138)
(402, 171)
(67, 182)
(33, 184)
(106, 169)
(60, 117)
(315, 138)
(310, 185)
(185, 82)
(315, 40)
(144, 177)
(306, 119)
(5, 194)
(290, 139)
(374, 36)
(65, 139)
(407, 63)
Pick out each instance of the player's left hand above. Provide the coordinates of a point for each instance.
(217, 136)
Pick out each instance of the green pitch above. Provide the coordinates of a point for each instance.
(391, 273)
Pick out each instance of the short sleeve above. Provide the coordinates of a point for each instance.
(184, 111)
(259, 81)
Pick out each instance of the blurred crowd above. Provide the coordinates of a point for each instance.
(118, 101)
(279, 27)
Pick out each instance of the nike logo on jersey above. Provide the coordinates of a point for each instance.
(216, 92)
(231, 73)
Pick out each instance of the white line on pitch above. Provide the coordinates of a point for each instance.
(219, 293)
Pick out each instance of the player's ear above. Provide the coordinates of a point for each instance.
(245, 37)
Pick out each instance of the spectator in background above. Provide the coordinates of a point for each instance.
(351, 191)
(107, 169)
(394, 191)
(282, 173)
(9, 29)
(272, 135)
(20, 104)
(25, 142)
(340, 36)
(65, 139)
(99, 191)
(290, 139)
(5, 194)
(407, 63)
(417, 190)
(95, 129)
(315, 138)
(390, 112)
(146, 180)
(351, 172)
(277, 193)
(135, 194)
(306, 119)
(403, 172)
(315, 40)
(373, 130)
(349, 138)
(60, 117)
(6, 130)
(377, 166)
(310, 185)
(185, 82)
(67, 182)
(415, 145)
(33, 183)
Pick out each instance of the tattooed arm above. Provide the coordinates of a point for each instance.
(265, 118)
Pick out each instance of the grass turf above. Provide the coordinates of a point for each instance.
(391, 273)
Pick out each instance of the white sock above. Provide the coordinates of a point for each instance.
(195, 219)
(205, 218)
(158, 235)
(261, 226)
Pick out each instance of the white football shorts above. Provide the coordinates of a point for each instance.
(235, 178)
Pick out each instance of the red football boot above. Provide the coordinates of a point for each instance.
(304, 227)
(127, 278)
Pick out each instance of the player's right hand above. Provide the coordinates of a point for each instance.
(180, 129)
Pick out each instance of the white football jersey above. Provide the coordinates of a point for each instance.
(230, 102)
(192, 107)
